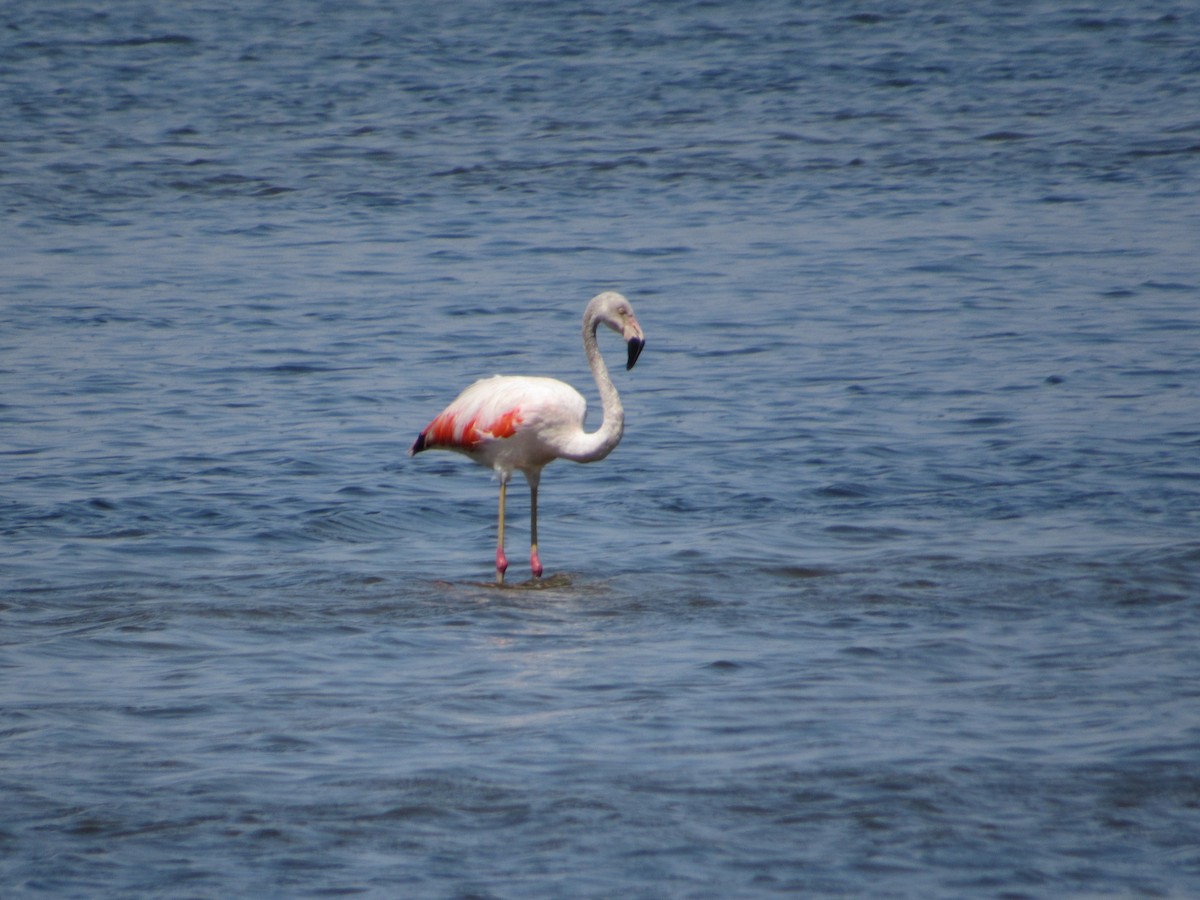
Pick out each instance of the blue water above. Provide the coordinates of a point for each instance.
(892, 588)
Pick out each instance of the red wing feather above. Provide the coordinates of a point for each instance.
(444, 431)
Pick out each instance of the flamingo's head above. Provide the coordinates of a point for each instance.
(616, 312)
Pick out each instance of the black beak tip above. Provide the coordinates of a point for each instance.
(635, 349)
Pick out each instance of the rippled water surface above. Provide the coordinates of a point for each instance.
(891, 589)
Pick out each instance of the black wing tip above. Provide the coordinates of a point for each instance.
(418, 445)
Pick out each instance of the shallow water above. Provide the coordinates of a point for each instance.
(891, 588)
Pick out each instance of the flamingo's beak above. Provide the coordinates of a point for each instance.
(632, 333)
(635, 348)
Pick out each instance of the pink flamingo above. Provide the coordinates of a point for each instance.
(522, 422)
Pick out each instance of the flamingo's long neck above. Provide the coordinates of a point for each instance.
(585, 447)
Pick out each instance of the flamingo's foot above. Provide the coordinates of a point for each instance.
(535, 564)
(501, 565)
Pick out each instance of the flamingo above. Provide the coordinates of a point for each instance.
(523, 422)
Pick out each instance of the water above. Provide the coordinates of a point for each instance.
(891, 589)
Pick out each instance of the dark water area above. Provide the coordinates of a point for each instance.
(892, 588)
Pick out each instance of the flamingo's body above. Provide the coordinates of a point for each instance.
(512, 422)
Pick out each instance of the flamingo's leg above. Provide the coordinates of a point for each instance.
(501, 559)
(535, 564)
